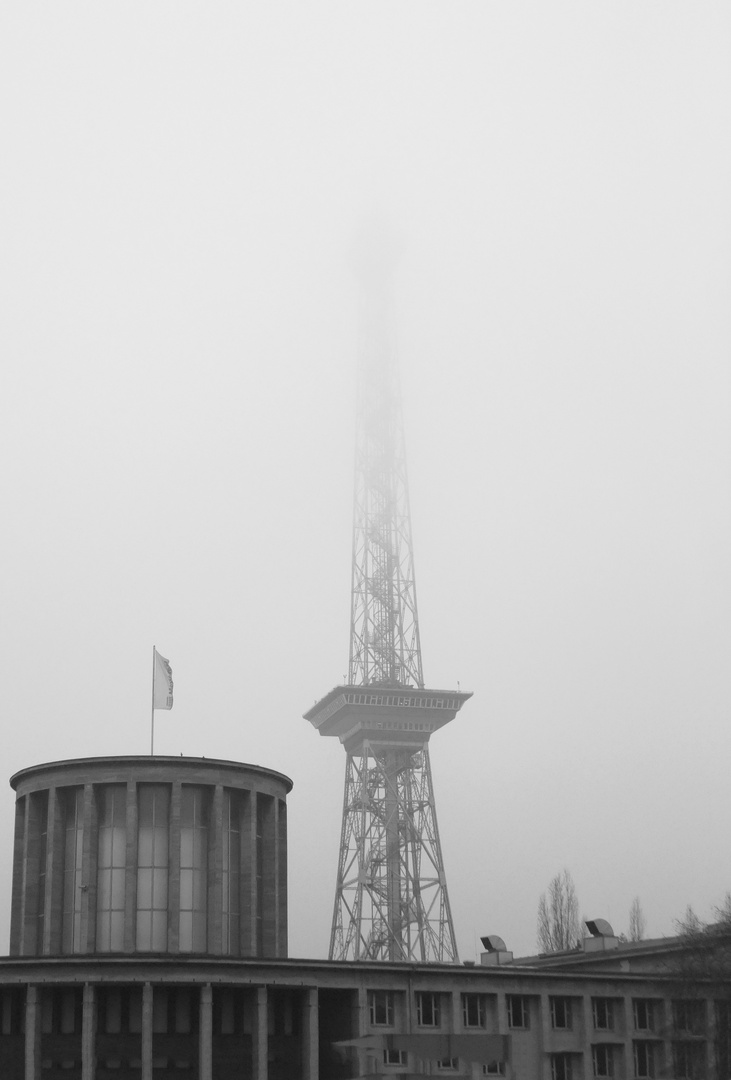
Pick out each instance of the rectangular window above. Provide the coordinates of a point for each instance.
(689, 1015)
(110, 1010)
(645, 1065)
(561, 1013)
(193, 868)
(602, 1058)
(473, 1010)
(644, 1014)
(603, 1013)
(427, 1009)
(152, 867)
(448, 1064)
(394, 1057)
(380, 1007)
(518, 1016)
(230, 1012)
(12, 1012)
(111, 867)
(494, 1068)
(231, 872)
(561, 1067)
(689, 1061)
(73, 802)
(61, 1011)
(174, 1011)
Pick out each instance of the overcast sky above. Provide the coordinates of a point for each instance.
(179, 191)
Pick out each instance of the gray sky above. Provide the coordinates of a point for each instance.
(179, 190)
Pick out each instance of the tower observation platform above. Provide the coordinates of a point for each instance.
(401, 716)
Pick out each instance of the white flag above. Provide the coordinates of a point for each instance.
(163, 680)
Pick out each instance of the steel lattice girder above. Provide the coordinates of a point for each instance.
(391, 900)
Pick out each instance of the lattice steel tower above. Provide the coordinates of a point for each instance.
(391, 898)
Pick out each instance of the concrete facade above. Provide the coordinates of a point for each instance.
(74, 1008)
(214, 1019)
(84, 856)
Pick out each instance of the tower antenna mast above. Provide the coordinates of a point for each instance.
(391, 899)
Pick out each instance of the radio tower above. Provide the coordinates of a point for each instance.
(391, 898)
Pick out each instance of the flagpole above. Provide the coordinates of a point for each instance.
(152, 721)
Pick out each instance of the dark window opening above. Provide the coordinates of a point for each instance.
(518, 1016)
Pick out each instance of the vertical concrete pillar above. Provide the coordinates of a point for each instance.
(282, 943)
(261, 1035)
(130, 870)
(629, 1029)
(89, 857)
(174, 871)
(310, 1035)
(363, 1029)
(267, 853)
(32, 1033)
(215, 873)
(147, 1032)
(88, 1033)
(16, 910)
(205, 1034)
(587, 1015)
(455, 1011)
(544, 1027)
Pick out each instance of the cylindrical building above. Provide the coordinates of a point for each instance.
(150, 855)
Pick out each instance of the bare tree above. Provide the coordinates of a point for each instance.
(702, 966)
(637, 926)
(558, 915)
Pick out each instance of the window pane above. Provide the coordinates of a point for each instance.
(113, 1014)
(159, 930)
(160, 1010)
(182, 1012)
(186, 890)
(160, 888)
(194, 868)
(144, 889)
(105, 847)
(227, 1012)
(186, 847)
(103, 936)
(73, 805)
(144, 852)
(117, 897)
(135, 1010)
(68, 1010)
(186, 931)
(104, 889)
(116, 943)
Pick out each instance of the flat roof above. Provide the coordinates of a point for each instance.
(144, 761)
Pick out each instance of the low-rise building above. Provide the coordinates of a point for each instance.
(149, 942)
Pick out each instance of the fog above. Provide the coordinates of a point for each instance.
(178, 333)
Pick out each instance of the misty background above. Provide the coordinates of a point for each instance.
(179, 191)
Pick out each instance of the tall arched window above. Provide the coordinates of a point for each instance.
(111, 864)
(231, 867)
(152, 867)
(73, 799)
(193, 869)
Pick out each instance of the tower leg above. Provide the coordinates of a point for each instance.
(391, 899)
